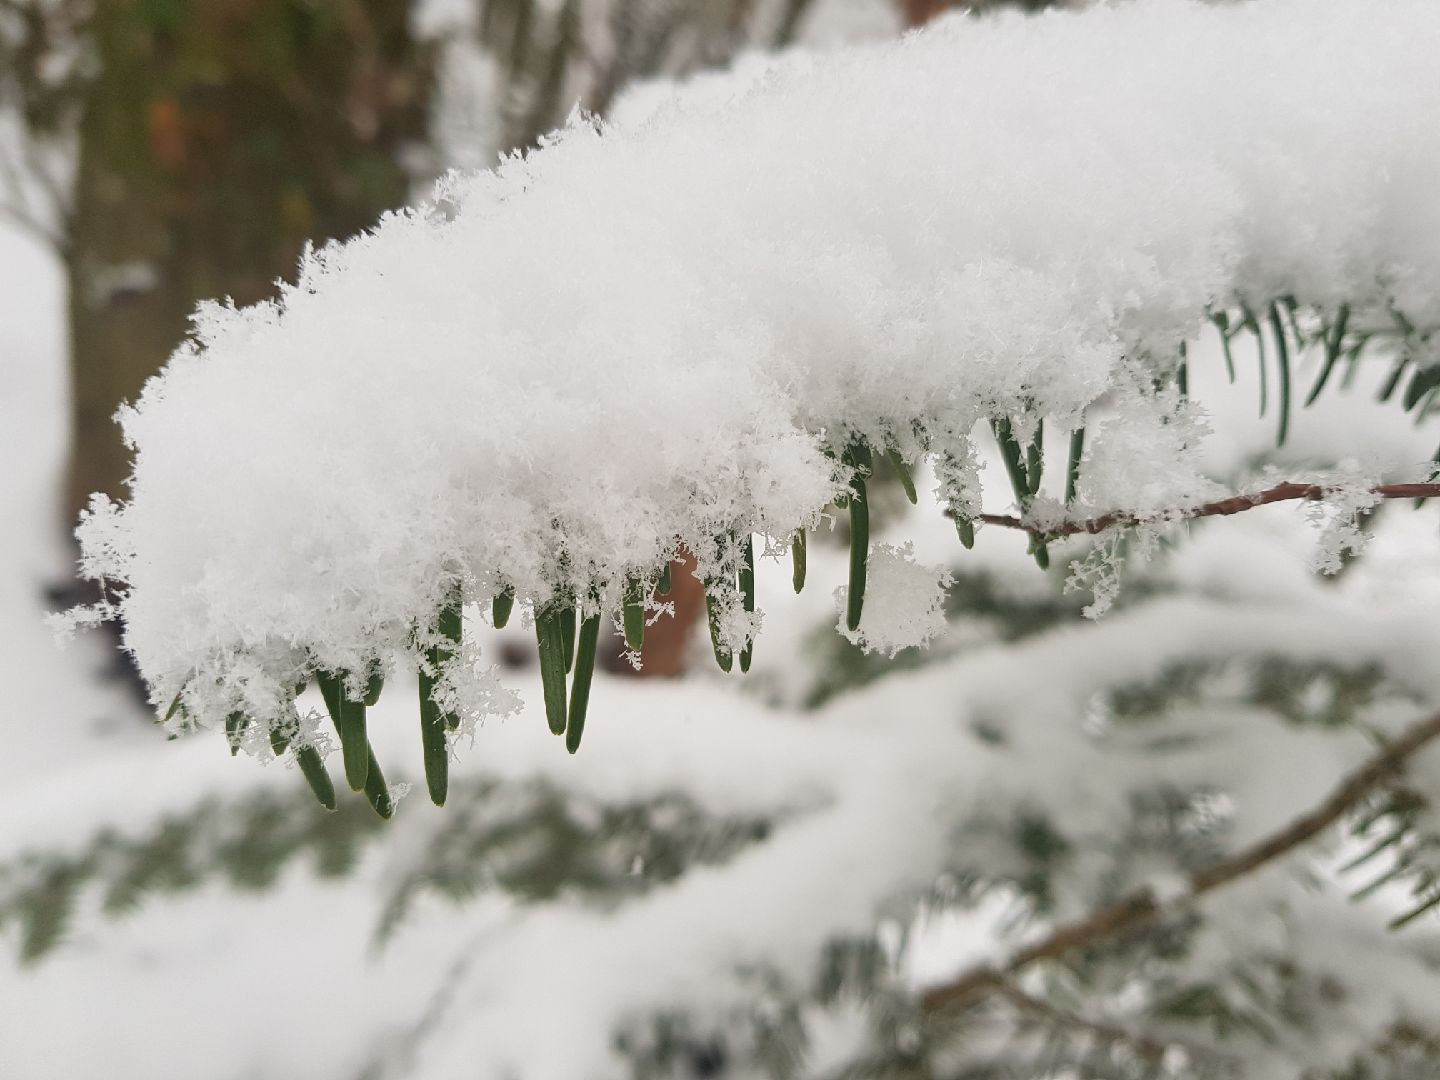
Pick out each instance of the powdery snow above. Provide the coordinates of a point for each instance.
(904, 602)
(219, 985)
(659, 332)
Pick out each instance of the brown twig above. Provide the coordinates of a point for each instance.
(1150, 1049)
(1236, 504)
(1141, 907)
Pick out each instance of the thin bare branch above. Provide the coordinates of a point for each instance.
(17, 207)
(1235, 504)
(37, 229)
(1141, 907)
(12, 181)
(54, 190)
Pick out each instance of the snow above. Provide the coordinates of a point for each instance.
(873, 796)
(59, 716)
(866, 793)
(488, 389)
(904, 602)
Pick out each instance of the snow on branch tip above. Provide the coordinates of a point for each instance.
(714, 320)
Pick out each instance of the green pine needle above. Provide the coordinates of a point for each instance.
(634, 615)
(501, 606)
(1035, 459)
(549, 632)
(374, 685)
(723, 656)
(376, 790)
(584, 673)
(1334, 338)
(747, 594)
(235, 725)
(858, 455)
(1282, 361)
(567, 635)
(348, 716)
(1072, 470)
(903, 472)
(313, 769)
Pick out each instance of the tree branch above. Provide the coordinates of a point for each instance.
(1151, 1050)
(1141, 907)
(1235, 504)
(54, 190)
(28, 224)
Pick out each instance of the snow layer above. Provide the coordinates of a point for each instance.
(878, 776)
(664, 331)
(904, 605)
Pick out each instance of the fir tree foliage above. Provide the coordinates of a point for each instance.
(1114, 801)
(580, 539)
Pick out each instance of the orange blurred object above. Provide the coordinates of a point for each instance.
(667, 639)
(166, 127)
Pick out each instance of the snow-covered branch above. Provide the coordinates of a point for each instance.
(1236, 504)
(709, 323)
(1143, 906)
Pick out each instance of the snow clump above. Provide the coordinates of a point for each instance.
(666, 332)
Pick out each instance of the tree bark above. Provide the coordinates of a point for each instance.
(216, 139)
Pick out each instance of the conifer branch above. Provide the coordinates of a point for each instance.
(1141, 907)
(1235, 504)
(1152, 1050)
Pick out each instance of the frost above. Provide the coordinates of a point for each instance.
(1098, 572)
(472, 690)
(958, 471)
(663, 332)
(1141, 454)
(1339, 517)
(103, 559)
(904, 602)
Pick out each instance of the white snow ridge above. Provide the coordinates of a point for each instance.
(647, 335)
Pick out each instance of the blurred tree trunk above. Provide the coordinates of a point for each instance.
(215, 139)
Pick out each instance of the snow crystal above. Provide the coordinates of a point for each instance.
(665, 332)
(904, 602)
(1339, 517)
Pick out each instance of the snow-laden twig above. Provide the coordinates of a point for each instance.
(703, 326)
(1235, 504)
(1142, 907)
